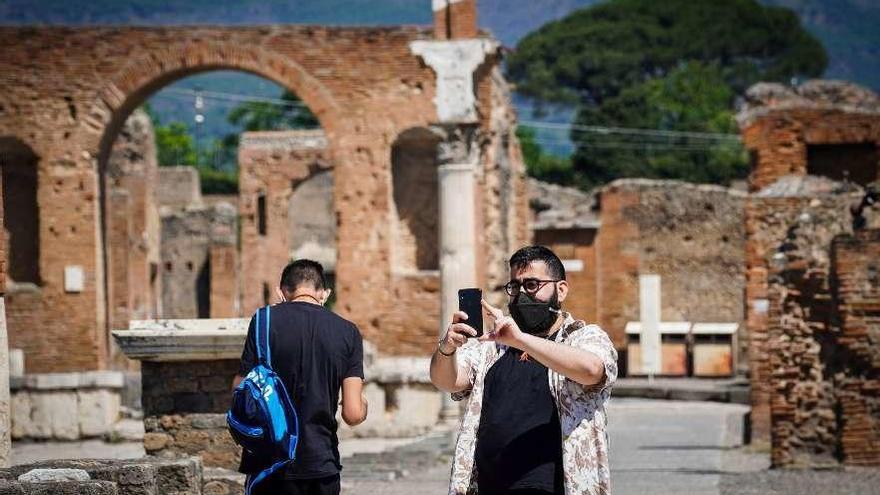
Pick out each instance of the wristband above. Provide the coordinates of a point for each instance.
(440, 349)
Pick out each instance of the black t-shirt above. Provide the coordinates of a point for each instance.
(519, 440)
(313, 350)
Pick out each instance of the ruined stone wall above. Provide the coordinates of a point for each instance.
(184, 410)
(188, 237)
(2, 244)
(690, 235)
(815, 356)
(856, 262)
(112, 477)
(824, 128)
(779, 125)
(179, 187)
(132, 228)
(565, 221)
(5, 440)
(272, 166)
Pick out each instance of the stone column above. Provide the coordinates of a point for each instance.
(454, 62)
(458, 158)
(458, 163)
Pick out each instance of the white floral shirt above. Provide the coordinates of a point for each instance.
(581, 412)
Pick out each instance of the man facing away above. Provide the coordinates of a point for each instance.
(316, 353)
(538, 384)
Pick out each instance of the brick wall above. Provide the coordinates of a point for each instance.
(816, 362)
(783, 128)
(272, 165)
(455, 19)
(188, 238)
(347, 77)
(184, 410)
(576, 244)
(224, 268)
(645, 228)
(856, 262)
(779, 124)
(2, 245)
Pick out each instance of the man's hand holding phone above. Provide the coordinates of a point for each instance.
(456, 334)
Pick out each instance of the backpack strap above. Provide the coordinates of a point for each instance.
(264, 352)
(252, 480)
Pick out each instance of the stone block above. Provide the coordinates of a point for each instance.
(218, 481)
(418, 408)
(180, 477)
(154, 442)
(70, 488)
(98, 411)
(22, 424)
(54, 414)
(50, 475)
(102, 379)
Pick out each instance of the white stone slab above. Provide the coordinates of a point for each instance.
(53, 475)
(573, 265)
(666, 327)
(715, 328)
(183, 340)
(649, 316)
(74, 278)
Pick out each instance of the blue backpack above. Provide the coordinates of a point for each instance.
(262, 418)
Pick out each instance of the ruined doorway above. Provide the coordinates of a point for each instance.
(855, 162)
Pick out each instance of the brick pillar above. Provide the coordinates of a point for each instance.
(224, 283)
(4, 347)
(617, 256)
(455, 19)
(118, 265)
(856, 261)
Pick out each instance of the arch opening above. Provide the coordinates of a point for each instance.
(416, 204)
(21, 220)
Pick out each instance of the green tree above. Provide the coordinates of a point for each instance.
(541, 165)
(175, 145)
(693, 99)
(638, 63)
(273, 116)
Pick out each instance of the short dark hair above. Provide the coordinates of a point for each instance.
(525, 256)
(302, 271)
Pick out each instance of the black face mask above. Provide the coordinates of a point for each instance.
(534, 316)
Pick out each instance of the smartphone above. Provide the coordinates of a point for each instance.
(469, 302)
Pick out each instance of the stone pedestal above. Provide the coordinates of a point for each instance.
(187, 369)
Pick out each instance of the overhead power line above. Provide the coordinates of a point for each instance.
(705, 140)
(223, 96)
(607, 130)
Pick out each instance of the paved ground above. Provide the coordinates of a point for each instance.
(671, 447)
(657, 447)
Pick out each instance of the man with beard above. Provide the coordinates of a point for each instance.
(537, 383)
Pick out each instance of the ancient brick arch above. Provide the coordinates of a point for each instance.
(153, 69)
(67, 92)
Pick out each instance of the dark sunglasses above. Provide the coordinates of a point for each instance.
(531, 285)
